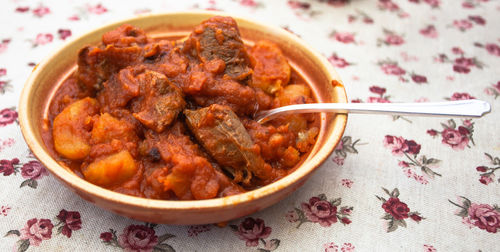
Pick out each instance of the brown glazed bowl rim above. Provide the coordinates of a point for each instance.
(80, 184)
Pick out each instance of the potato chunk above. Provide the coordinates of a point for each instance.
(71, 129)
(113, 169)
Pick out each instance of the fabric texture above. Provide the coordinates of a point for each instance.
(392, 184)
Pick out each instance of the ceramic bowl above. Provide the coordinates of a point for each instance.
(49, 74)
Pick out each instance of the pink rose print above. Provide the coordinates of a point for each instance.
(292, 216)
(22, 9)
(292, 4)
(37, 231)
(396, 211)
(4, 210)
(42, 39)
(197, 229)
(457, 50)
(4, 44)
(69, 221)
(460, 96)
(335, 3)
(338, 61)
(97, 9)
(332, 247)
(254, 230)
(64, 33)
(138, 238)
(41, 11)
(343, 37)
(251, 230)
(319, 210)
(377, 90)
(7, 116)
(418, 78)
(483, 216)
(493, 49)
(249, 3)
(388, 5)
(347, 183)
(411, 149)
(345, 146)
(456, 138)
(8, 167)
(487, 173)
(461, 64)
(33, 170)
(429, 248)
(390, 38)
(347, 247)
(478, 20)
(338, 160)
(432, 3)
(429, 31)
(107, 236)
(3, 72)
(377, 100)
(462, 25)
(397, 145)
(391, 69)
(493, 90)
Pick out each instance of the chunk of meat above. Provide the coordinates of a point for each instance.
(119, 89)
(71, 129)
(243, 100)
(159, 102)
(271, 70)
(225, 138)
(121, 47)
(219, 38)
(97, 64)
(111, 170)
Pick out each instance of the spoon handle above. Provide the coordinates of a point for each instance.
(462, 108)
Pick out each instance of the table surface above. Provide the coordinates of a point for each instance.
(393, 184)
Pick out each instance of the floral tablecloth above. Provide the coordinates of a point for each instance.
(393, 184)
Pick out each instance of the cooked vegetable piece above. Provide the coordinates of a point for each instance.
(293, 94)
(71, 129)
(219, 38)
(111, 170)
(222, 134)
(271, 70)
(159, 102)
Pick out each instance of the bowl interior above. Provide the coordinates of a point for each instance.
(50, 73)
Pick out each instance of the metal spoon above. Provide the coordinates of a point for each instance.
(463, 108)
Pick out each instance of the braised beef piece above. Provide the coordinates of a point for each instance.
(222, 134)
(159, 101)
(219, 38)
(121, 48)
